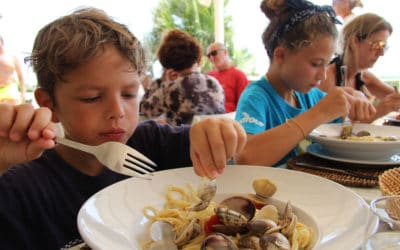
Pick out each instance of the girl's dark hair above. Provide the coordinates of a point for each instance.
(296, 25)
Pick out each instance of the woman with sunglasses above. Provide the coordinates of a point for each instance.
(364, 40)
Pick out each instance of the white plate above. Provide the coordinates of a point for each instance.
(328, 136)
(113, 219)
(319, 151)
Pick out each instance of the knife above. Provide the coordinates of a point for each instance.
(336, 170)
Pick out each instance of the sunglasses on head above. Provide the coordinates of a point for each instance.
(213, 53)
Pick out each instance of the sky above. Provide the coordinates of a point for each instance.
(22, 19)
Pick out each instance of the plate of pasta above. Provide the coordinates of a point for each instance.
(367, 142)
(120, 216)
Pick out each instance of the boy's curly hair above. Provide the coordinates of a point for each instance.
(66, 43)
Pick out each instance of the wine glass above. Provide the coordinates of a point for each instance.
(387, 209)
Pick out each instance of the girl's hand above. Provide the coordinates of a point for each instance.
(334, 105)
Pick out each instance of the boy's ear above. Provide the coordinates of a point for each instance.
(43, 100)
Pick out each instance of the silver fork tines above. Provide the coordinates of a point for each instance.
(117, 157)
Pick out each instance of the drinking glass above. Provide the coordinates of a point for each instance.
(387, 209)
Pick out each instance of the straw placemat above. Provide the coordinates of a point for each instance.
(345, 179)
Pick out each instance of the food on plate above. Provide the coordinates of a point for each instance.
(264, 187)
(397, 117)
(347, 131)
(372, 138)
(241, 221)
(363, 135)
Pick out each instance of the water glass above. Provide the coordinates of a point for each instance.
(387, 209)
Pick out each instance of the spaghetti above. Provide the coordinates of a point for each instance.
(176, 211)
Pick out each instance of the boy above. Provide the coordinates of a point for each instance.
(88, 69)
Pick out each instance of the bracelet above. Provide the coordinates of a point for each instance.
(297, 125)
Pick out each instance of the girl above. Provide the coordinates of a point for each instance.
(282, 107)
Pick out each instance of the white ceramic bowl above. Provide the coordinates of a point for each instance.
(327, 135)
(113, 218)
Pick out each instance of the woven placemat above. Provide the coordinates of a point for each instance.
(348, 180)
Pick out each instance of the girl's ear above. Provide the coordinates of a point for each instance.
(43, 100)
(279, 54)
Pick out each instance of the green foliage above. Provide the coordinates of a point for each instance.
(198, 21)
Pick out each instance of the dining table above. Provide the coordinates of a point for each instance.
(362, 183)
(368, 190)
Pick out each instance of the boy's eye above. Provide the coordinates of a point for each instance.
(90, 99)
(129, 95)
(315, 64)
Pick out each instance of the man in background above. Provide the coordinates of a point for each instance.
(232, 79)
(344, 8)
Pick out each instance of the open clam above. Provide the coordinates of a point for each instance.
(235, 211)
(276, 241)
(205, 191)
(262, 226)
(188, 232)
(218, 241)
(289, 220)
(162, 233)
(164, 237)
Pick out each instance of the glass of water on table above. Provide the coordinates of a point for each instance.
(387, 209)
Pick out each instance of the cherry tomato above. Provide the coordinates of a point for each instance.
(258, 205)
(209, 223)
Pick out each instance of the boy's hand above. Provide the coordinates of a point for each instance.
(25, 133)
(213, 142)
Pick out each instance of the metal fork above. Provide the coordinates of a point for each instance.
(116, 156)
(347, 125)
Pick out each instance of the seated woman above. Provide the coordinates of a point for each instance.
(364, 40)
(183, 91)
(282, 107)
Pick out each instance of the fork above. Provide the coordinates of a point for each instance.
(347, 125)
(116, 156)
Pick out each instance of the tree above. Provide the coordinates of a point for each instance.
(198, 21)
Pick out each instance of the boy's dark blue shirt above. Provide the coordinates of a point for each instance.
(40, 200)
